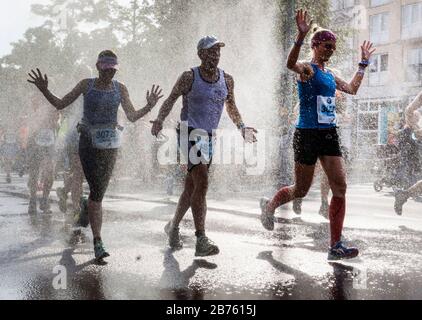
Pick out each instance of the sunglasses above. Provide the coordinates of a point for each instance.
(330, 46)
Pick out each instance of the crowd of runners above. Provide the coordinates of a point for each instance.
(91, 142)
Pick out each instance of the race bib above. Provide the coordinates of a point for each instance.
(45, 138)
(106, 138)
(326, 108)
(205, 146)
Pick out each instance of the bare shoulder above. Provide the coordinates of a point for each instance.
(228, 77)
(122, 86)
(83, 85)
(184, 83)
(336, 74)
(229, 80)
(186, 77)
(307, 71)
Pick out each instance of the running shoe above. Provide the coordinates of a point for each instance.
(45, 206)
(297, 206)
(324, 210)
(205, 247)
(267, 219)
(340, 251)
(61, 194)
(32, 208)
(100, 251)
(81, 217)
(401, 198)
(174, 238)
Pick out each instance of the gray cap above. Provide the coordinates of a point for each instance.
(209, 42)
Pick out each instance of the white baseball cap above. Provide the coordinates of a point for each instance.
(209, 42)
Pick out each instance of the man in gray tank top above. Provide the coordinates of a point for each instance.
(205, 90)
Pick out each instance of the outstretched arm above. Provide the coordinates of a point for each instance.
(42, 84)
(182, 86)
(233, 112)
(303, 26)
(353, 86)
(131, 113)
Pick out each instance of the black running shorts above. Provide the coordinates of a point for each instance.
(197, 148)
(309, 144)
(98, 166)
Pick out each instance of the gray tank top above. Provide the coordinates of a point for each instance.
(204, 104)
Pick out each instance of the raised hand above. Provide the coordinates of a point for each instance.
(37, 79)
(154, 96)
(301, 20)
(367, 50)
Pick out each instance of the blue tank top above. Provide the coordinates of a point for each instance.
(100, 107)
(204, 104)
(317, 101)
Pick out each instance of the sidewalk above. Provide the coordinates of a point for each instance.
(227, 202)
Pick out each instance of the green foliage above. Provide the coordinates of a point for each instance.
(286, 32)
(67, 44)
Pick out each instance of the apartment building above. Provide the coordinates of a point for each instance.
(395, 75)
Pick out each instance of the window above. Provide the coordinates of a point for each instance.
(342, 4)
(378, 70)
(363, 106)
(375, 3)
(378, 28)
(414, 65)
(411, 21)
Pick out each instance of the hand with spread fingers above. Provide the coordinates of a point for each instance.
(38, 79)
(248, 134)
(367, 50)
(302, 22)
(154, 96)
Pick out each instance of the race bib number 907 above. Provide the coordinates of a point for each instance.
(326, 108)
(106, 138)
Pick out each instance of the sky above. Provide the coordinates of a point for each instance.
(15, 18)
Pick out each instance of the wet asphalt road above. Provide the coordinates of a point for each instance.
(289, 263)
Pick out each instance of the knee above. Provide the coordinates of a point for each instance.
(339, 188)
(94, 205)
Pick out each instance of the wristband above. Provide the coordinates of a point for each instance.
(241, 126)
(298, 43)
(364, 63)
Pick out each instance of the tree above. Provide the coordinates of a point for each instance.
(38, 43)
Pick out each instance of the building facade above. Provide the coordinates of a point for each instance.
(394, 77)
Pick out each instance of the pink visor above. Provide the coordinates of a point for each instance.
(323, 36)
(105, 63)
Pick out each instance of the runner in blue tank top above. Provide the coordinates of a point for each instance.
(99, 130)
(205, 90)
(316, 135)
